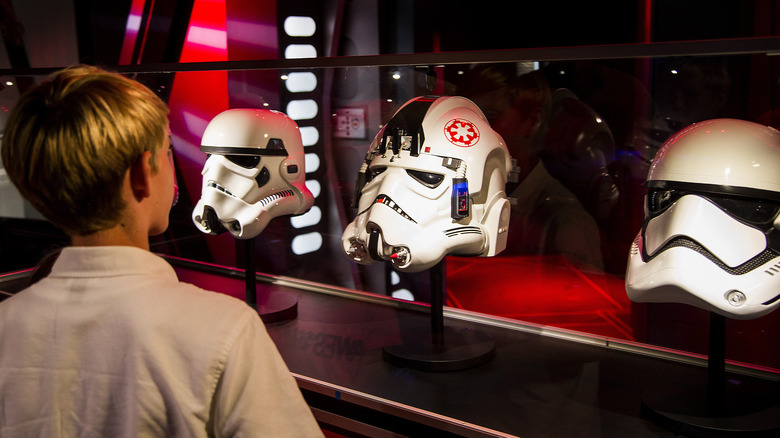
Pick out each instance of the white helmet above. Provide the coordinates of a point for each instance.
(711, 235)
(254, 174)
(432, 184)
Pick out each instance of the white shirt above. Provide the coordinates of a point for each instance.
(112, 344)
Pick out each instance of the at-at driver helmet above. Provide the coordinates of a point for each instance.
(432, 184)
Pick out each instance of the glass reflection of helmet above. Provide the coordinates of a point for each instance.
(711, 232)
(432, 184)
(255, 172)
(577, 147)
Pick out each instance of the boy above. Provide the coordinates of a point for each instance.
(111, 343)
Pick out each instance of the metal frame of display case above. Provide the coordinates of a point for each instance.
(742, 46)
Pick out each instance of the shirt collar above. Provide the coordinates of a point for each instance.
(104, 261)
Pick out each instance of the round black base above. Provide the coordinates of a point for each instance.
(456, 349)
(692, 415)
(277, 306)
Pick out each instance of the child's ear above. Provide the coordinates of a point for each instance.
(141, 176)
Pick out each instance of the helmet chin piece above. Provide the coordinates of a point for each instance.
(234, 215)
(432, 184)
(686, 276)
(710, 236)
(254, 174)
(208, 222)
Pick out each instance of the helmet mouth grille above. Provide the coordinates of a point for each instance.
(685, 242)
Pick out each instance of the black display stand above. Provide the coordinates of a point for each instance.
(442, 348)
(273, 306)
(717, 410)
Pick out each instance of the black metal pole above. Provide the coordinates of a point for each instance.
(716, 364)
(437, 303)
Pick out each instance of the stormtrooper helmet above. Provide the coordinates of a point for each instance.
(432, 184)
(711, 234)
(255, 172)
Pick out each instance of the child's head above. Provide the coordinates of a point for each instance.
(70, 140)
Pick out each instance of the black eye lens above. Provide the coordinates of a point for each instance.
(374, 172)
(428, 179)
(659, 200)
(753, 211)
(245, 161)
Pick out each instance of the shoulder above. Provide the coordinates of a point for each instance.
(193, 300)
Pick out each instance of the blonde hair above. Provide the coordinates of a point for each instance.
(70, 140)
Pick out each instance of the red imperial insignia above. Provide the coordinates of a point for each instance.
(461, 132)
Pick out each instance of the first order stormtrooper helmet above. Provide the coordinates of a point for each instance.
(432, 184)
(255, 172)
(711, 234)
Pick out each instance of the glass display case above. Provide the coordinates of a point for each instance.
(583, 125)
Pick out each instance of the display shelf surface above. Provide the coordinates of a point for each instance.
(542, 382)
